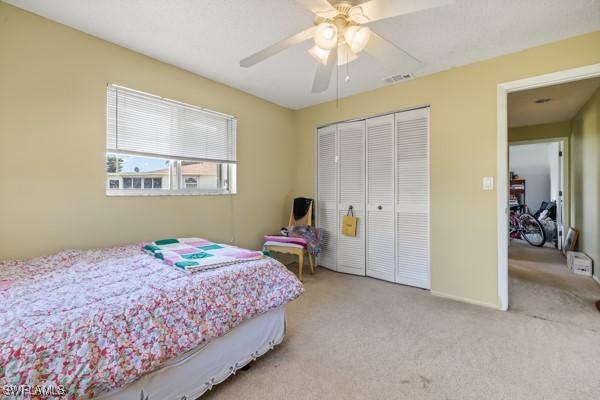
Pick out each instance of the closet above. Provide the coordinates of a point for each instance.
(380, 167)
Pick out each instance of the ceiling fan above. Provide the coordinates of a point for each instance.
(340, 34)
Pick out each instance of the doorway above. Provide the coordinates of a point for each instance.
(542, 258)
(537, 185)
(540, 283)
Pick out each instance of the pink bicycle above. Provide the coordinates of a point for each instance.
(523, 225)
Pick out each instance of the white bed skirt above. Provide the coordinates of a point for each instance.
(195, 372)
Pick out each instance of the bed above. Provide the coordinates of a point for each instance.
(110, 323)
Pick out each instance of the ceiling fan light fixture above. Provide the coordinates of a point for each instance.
(357, 37)
(319, 54)
(326, 36)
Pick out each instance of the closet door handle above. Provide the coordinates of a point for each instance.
(379, 207)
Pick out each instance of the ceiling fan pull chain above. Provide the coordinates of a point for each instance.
(347, 68)
(337, 86)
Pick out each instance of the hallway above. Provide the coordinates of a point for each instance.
(541, 286)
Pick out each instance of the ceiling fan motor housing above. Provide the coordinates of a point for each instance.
(343, 7)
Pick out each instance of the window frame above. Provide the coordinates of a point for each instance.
(226, 171)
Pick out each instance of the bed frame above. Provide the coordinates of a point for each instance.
(192, 374)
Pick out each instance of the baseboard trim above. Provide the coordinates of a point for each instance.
(465, 300)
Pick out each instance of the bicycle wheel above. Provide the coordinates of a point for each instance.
(531, 230)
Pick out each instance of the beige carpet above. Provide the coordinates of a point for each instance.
(359, 338)
(541, 285)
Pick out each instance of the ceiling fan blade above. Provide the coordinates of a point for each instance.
(324, 72)
(391, 55)
(322, 8)
(375, 10)
(277, 47)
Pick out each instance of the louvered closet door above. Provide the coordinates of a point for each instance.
(351, 169)
(327, 195)
(380, 197)
(412, 198)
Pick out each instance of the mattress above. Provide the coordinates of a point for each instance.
(95, 321)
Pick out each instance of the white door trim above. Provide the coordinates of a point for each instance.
(554, 78)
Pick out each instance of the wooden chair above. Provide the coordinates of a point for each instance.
(292, 248)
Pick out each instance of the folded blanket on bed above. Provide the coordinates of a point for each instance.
(197, 254)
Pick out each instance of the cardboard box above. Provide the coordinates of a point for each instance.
(579, 263)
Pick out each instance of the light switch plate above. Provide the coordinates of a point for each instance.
(488, 183)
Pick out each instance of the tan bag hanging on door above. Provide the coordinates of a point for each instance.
(349, 223)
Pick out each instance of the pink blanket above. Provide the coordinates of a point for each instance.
(93, 321)
(285, 239)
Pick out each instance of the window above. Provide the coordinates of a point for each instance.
(156, 146)
(125, 173)
(191, 182)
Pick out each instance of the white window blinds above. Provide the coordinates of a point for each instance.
(144, 124)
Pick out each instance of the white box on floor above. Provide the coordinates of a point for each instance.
(579, 263)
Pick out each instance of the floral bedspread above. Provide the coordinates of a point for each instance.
(92, 321)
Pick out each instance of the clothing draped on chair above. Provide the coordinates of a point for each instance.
(301, 206)
(311, 236)
(299, 236)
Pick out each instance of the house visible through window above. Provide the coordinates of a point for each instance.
(191, 182)
(132, 172)
(159, 146)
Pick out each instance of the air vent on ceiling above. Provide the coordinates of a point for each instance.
(398, 78)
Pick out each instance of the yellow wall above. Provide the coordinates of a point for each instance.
(542, 131)
(52, 139)
(463, 150)
(52, 127)
(585, 178)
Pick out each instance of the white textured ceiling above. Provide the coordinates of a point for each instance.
(565, 100)
(209, 37)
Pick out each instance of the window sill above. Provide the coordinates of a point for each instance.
(161, 193)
